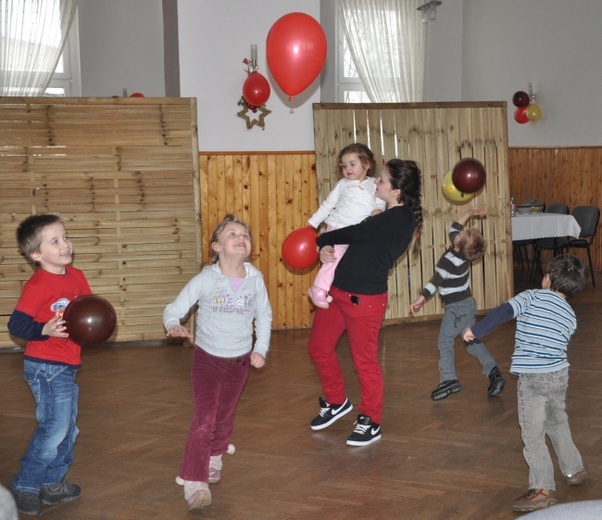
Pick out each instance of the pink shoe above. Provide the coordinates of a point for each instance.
(199, 500)
(319, 297)
(215, 475)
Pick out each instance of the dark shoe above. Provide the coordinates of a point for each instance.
(365, 432)
(496, 382)
(535, 499)
(451, 386)
(577, 478)
(63, 491)
(28, 503)
(329, 413)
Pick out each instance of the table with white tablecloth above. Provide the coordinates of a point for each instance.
(544, 225)
(533, 226)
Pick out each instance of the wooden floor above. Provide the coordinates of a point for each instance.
(460, 458)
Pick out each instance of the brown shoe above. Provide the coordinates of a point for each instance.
(535, 499)
(577, 478)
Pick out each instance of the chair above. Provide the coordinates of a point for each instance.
(521, 247)
(587, 217)
(553, 244)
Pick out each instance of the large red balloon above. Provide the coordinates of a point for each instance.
(256, 90)
(299, 248)
(296, 52)
(468, 175)
(90, 320)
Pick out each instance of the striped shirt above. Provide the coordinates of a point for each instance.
(545, 323)
(452, 274)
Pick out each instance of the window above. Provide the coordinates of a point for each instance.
(350, 88)
(66, 80)
(32, 32)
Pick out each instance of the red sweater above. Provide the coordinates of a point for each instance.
(44, 296)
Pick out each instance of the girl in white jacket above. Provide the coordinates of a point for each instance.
(232, 300)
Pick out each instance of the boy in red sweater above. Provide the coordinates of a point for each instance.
(51, 362)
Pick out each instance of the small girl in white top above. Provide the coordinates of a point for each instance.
(352, 200)
(232, 305)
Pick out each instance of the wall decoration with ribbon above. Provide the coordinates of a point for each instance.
(255, 93)
(526, 107)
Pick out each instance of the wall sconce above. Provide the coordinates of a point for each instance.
(255, 93)
(429, 11)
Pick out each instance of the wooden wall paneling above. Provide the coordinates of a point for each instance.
(275, 193)
(559, 175)
(436, 135)
(123, 174)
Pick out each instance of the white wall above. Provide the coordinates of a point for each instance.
(214, 39)
(555, 44)
(477, 50)
(121, 46)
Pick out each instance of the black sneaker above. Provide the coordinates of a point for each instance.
(496, 382)
(365, 432)
(445, 388)
(63, 491)
(329, 413)
(28, 503)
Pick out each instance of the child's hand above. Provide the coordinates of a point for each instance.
(257, 360)
(478, 213)
(472, 213)
(327, 254)
(417, 304)
(376, 212)
(467, 335)
(179, 331)
(56, 328)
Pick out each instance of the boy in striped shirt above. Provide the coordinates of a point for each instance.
(452, 281)
(545, 323)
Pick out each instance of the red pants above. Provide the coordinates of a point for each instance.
(361, 316)
(216, 386)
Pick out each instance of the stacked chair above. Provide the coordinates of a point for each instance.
(587, 217)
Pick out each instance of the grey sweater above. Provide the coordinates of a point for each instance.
(224, 324)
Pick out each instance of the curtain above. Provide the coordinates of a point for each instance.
(33, 34)
(387, 43)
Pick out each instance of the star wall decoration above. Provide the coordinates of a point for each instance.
(244, 114)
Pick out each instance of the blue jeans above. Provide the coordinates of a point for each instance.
(541, 403)
(457, 317)
(50, 451)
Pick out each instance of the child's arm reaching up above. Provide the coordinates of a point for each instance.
(472, 213)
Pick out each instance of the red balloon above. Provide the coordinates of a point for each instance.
(256, 90)
(299, 249)
(137, 94)
(90, 320)
(468, 175)
(520, 115)
(520, 99)
(296, 52)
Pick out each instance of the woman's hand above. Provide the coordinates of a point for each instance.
(327, 254)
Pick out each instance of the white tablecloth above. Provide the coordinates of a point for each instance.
(544, 225)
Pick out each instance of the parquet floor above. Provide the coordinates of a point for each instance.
(460, 458)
